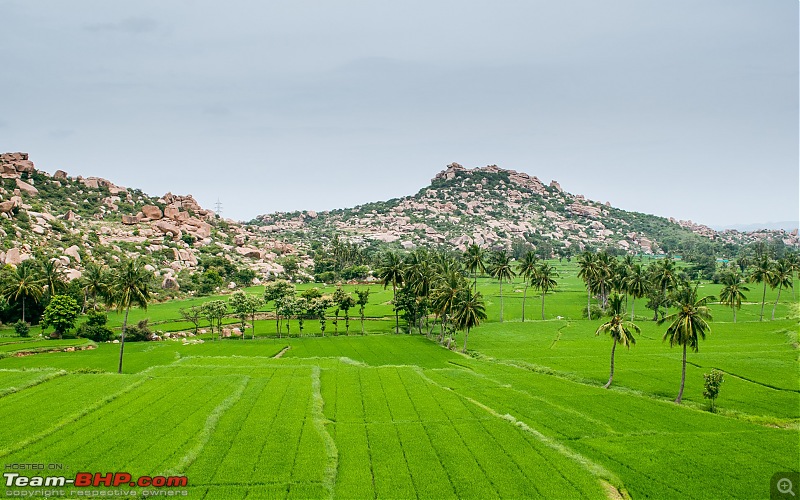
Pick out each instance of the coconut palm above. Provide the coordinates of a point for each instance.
(526, 269)
(762, 273)
(732, 294)
(391, 271)
(665, 277)
(637, 285)
(587, 271)
(500, 269)
(445, 296)
(475, 262)
(94, 282)
(469, 311)
(130, 286)
(53, 277)
(544, 280)
(619, 330)
(793, 258)
(782, 275)
(688, 325)
(24, 283)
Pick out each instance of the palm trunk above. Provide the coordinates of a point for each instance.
(611, 376)
(465, 341)
(776, 303)
(501, 301)
(524, 296)
(122, 339)
(763, 299)
(441, 331)
(633, 306)
(734, 314)
(683, 376)
(396, 313)
(253, 319)
(23, 309)
(543, 304)
(588, 300)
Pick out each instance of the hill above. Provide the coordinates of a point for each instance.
(490, 206)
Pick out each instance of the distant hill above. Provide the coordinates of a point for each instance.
(786, 225)
(493, 207)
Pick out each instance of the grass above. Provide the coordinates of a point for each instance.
(398, 416)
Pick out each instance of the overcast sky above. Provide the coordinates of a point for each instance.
(681, 108)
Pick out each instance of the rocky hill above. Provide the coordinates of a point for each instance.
(70, 220)
(492, 207)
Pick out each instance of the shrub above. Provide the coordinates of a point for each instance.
(95, 328)
(22, 329)
(597, 313)
(140, 332)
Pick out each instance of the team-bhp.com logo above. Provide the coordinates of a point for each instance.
(89, 479)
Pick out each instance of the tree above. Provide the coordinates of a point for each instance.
(61, 313)
(318, 307)
(193, 315)
(474, 262)
(215, 311)
(762, 273)
(637, 285)
(238, 302)
(619, 330)
(362, 301)
(526, 269)
(469, 311)
(53, 277)
(286, 306)
(713, 382)
(23, 283)
(544, 280)
(665, 277)
(275, 291)
(338, 298)
(130, 286)
(446, 295)
(94, 282)
(391, 271)
(782, 277)
(252, 306)
(732, 294)
(500, 269)
(587, 271)
(688, 325)
(345, 305)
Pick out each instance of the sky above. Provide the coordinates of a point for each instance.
(685, 109)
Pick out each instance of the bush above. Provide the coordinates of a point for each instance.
(22, 329)
(95, 328)
(597, 313)
(139, 332)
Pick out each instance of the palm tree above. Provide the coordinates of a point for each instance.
(526, 269)
(469, 311)
(587, 272)
(544, 280)
(445, 297)
(689, 325)
(665, 277)
(620, 331)
(500, 269)
(637, 285)
(782, 275)
(24, 282)
(130, 286)
(793, 258)
(391, 271)
(762, 273)
(474, 262)
(731, 294)
(53, 277)
(94, 282)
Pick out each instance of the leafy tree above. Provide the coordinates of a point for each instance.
(621, 331)
(275, 291)
(95, 328)
(732, 293)
(214, 311)
(469, 311)
(688, 325)
(362, 301)
(782, 277)
(318, 307)
(61, 313)
(339, 296)
(345, 305)
(500, 269)
(287, 307)
(526, 269)
(238, 302)
(193, 315)
(24, 283)
(301, 310)
(762, 272)
(130, 286)
(712, 385)
(544, 280)
(22, 329)
(391, 271)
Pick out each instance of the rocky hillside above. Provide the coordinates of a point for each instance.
(74, 219)
(491, 207)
